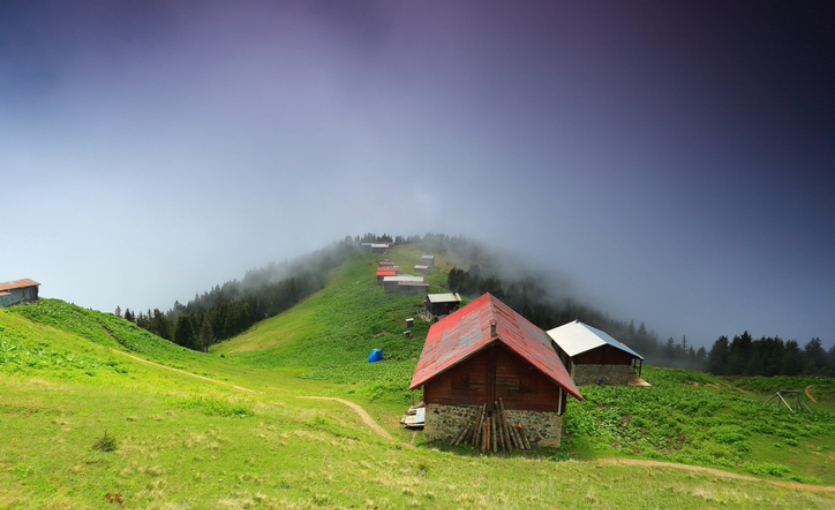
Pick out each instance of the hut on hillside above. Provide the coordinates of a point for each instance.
(412, 288)
(593, 357)
(18, 291)
(381, 247)
(428, 260)
(391, 283)
(382, 273)
(437, 306)
(422, 269)
(485, 352)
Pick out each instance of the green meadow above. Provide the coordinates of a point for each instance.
(97, 413)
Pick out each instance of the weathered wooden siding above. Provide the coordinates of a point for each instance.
(494, 373)
(604, 355)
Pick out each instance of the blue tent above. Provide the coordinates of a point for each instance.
(376, 355)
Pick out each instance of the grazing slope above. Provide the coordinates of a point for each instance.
(183, 442)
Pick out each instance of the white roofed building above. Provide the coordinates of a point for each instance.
(593, 357)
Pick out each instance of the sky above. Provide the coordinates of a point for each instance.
(673, 161)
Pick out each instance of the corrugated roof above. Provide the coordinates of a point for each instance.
(386, 272)
(444, 298)
(403, 278)
(467, 331)
(575, 338)
(19, 284)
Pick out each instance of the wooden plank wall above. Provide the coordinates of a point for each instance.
(493, 373)
(603, 355)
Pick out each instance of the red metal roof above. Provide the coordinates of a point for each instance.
(386, 272)
(467, 331)
(19, 284)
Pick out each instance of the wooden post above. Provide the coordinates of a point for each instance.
(499, 432)
(493, 433)
(524, 437)
(478, 430)
(505, 427)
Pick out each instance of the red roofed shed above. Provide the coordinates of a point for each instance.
(486, 351)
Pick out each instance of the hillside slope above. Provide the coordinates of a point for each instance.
(331, 334)
(186, 443)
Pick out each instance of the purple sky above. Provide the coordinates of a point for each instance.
(675, 161)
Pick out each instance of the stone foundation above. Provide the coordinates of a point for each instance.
(443, 423)
(612, 375)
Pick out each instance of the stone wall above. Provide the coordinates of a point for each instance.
(612, 375)
(443, 423)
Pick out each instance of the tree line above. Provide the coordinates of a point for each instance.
(232, 308)
(769, 356)
(528, 296)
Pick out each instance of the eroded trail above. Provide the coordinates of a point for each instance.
(239, 388)
(825, 489)
(366, 418)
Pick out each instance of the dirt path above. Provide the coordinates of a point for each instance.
(366, 418)
(826, 489)
(809, 393)
(239, 388)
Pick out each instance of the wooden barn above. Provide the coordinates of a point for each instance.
(437, 306)
(427, 260)
(18, 291)
(485, 352)
(391, 283)
(594, 357)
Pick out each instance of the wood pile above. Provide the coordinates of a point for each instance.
(492, 431)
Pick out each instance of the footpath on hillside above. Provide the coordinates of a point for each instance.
(825, 489)
(364, 416)
(239, 388)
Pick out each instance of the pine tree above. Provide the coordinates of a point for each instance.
(184, 332)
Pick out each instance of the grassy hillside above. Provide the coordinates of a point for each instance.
(332, 334)
(238, 437)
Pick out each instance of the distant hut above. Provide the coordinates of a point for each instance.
(382, 273)
(593, 357)
(484, 352)
(440, 305)
(380, 248)
(412, 288)
(391, 283)
(18, 291)
(422, 269)
(428, 260)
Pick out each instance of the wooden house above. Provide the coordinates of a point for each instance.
(437, 306)
(412, 288)
(485, 352)
(593, 357)
(391, 283)
(380, 247)
(18, 291)
(422, 269)
(428, 260)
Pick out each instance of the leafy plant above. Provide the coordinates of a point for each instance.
(105, 443)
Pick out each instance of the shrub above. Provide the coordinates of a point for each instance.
(105, 443)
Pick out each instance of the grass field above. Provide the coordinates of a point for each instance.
(81, 423)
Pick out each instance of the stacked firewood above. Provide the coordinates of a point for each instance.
(492, 431)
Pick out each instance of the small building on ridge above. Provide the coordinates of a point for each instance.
(18, 291)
